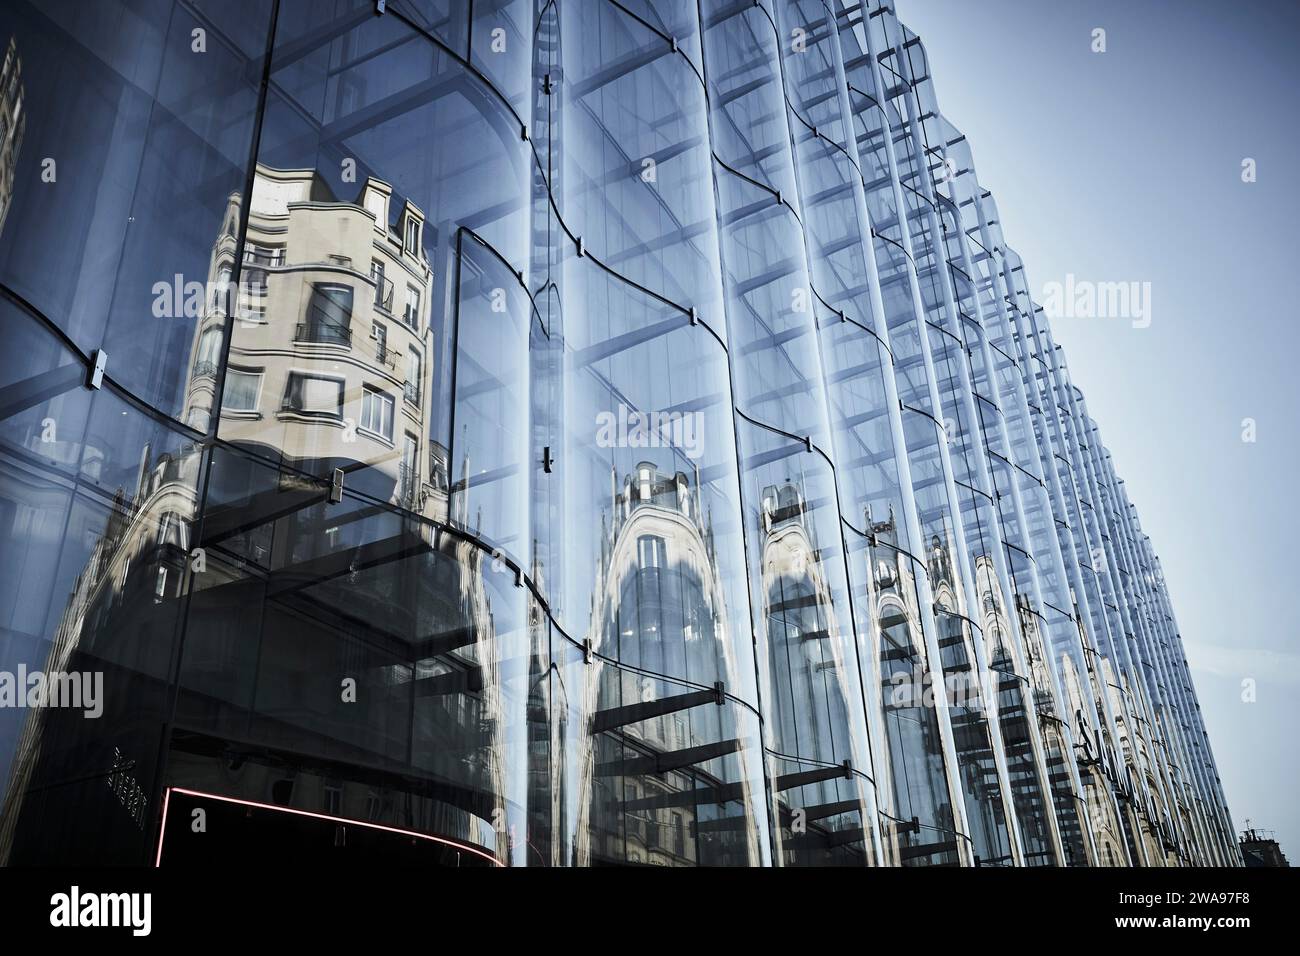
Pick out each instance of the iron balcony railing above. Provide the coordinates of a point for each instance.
(408, 486)
(322, 331)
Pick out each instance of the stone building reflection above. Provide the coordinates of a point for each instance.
(923, 829)
(821, 810)
(122, 603)
(329, 354)
(663, 779)
(327, 369)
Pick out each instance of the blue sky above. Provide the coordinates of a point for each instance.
(1126, 166)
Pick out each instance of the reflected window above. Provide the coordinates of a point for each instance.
(220, 289)
(209, 352)
(412, 242)
(257, 259)
(314, 395)
(412, 390)
(253, 312)
(383, 288)
(650, 551)
(377, 413)
(412, 314)
(408, 473)
(243, 386)
(329, 315)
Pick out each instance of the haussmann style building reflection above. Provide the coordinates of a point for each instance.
(550, 434)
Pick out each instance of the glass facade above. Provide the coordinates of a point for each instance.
(550, 433)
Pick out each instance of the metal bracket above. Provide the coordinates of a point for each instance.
(95, 375)
(336, 486)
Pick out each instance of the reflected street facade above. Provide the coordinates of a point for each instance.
(550, 433)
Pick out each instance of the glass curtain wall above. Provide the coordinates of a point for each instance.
(549, 433)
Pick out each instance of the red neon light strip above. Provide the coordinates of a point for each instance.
(316, 816)
(162, 832)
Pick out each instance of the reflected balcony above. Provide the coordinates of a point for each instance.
(408, 487)
(323, 333)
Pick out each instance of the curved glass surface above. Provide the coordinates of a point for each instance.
(810, 674)
(98, 499)
(124, 142)
(658, 772)
(653, 551)
(359, 635)
(633, 178)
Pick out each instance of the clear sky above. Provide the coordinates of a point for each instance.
(1126, 166)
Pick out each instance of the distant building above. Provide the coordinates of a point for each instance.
(1259, 848)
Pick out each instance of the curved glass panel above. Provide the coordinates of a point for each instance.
(911, 778)
(750, 132)
(489, 454)
(127, 129)
(634, 176)
(660, 773)
(653, 552)
(811, 682)
(98, 502)
(368, 664)
(772, 327)
(345, 352)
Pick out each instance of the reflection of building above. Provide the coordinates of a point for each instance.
(136, 565)
(823, 817)
(12, 120)
(918, 787)
(658, 604)
(328, 365)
